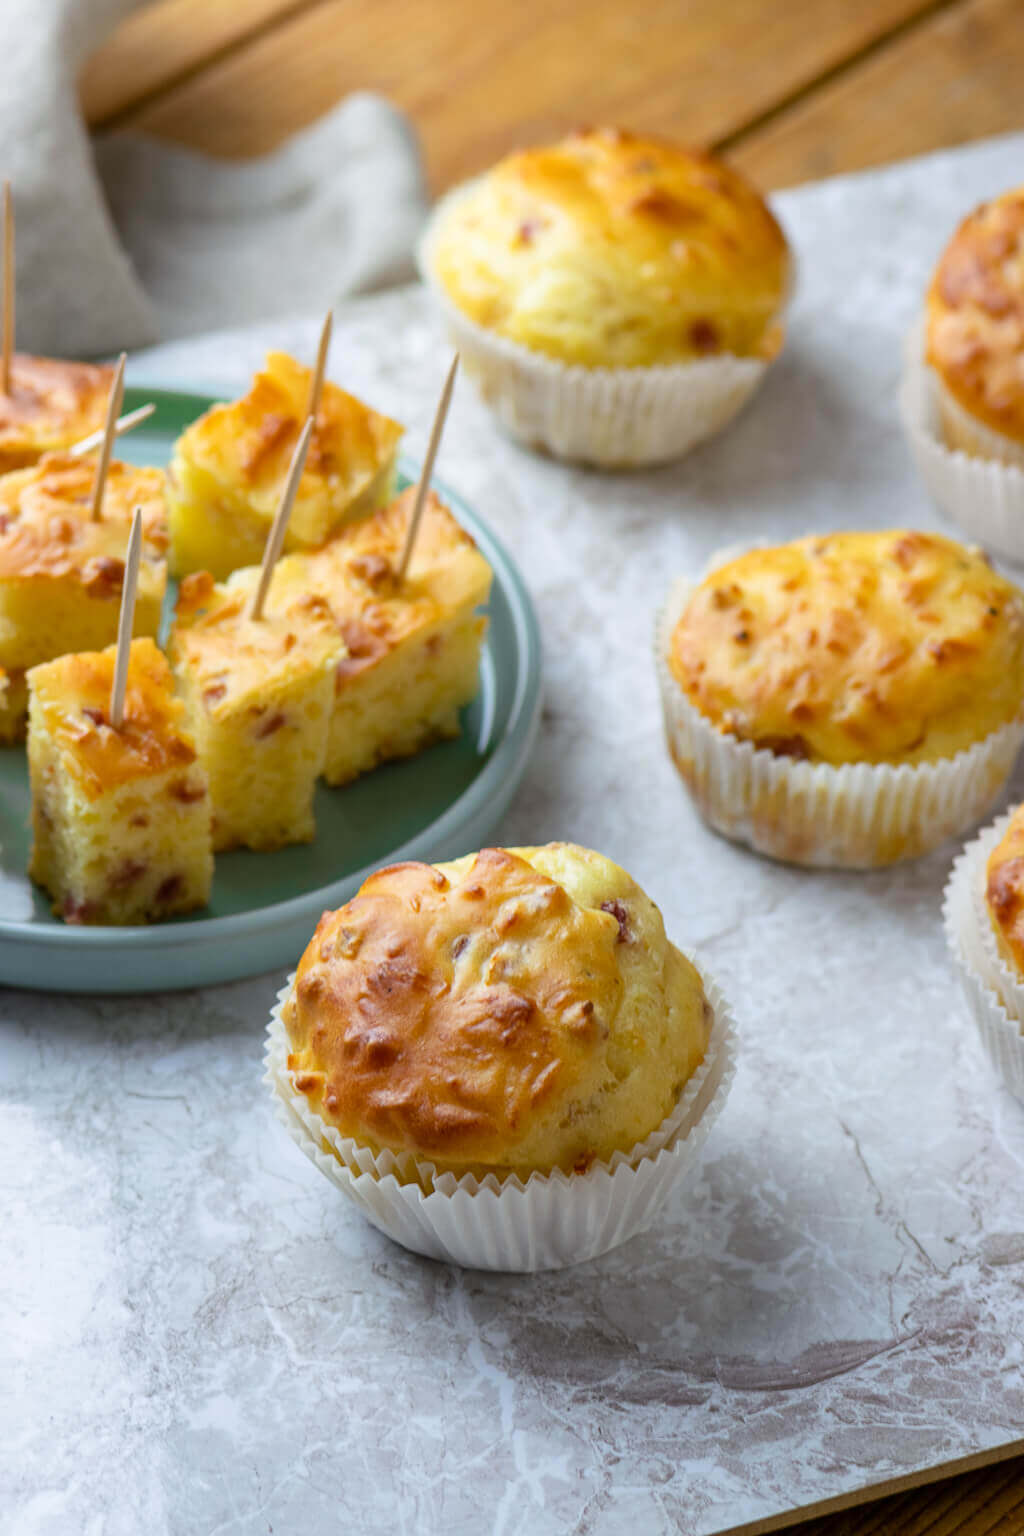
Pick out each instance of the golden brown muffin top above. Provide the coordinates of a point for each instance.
(52, 404)
(250, 441)
(1004, 892)
(231, 658)
(71, 696)
(890, 647)
(518, 1009)
(46, 530)
(975, 315)
(613, 250)
(356, 573)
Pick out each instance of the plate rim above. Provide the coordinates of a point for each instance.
(506, 763)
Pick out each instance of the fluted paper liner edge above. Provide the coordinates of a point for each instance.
(994, 995)
(548, 1222)
(984, 496)
(856, 816)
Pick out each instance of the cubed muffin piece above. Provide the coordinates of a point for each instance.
(13, 706)
(51, 404)
(412, 649)
(61, 573)
(229, 468)
(121, 817)
(258, 694)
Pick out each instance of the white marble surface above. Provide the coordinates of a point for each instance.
(200, 1337)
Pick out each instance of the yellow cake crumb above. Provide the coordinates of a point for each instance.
(61, 573)
(120, 815)
(229, 468)
(13, 706)
(412, 650)
(258, 693)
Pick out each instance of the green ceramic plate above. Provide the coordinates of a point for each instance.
(447, 801)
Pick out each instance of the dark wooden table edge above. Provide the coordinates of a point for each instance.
(904, 1483)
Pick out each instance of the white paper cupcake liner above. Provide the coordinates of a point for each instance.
(856, 816)
(548, 1222)
(984, 495)
(959, 429)
(995, 995)
(614, 418)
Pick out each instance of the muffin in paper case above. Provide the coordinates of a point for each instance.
(994, 993)
(611, 418)
(974, 475)
(854, 816)
(548, 1222)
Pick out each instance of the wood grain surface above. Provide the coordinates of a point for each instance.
(986, 1502)
(791, 89)
(957, 76)
(697, 71)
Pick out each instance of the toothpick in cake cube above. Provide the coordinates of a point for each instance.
(258, 694)
(229, 466)
(61, 571)
(120, 815)
(412, 647)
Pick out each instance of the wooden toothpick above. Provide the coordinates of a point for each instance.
(428, 468)
(122, 425)
(103, 463)
(278, 528)
(126, 621)
(7, 343)
(316, 385)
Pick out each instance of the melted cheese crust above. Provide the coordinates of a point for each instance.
(72, 697)
(975, 315)
(610, 250)
(233, 659)
(52, 404)
(356, 573)
(46, 530)
(13, 705)
(516, 1010)
(888, 647)
(248, 444)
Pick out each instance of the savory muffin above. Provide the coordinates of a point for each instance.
(1004, 893)
(894, 650)
(983, 918)
(61, 572)
(50, 405)
(514, 1011)
(258, 695)
(229, 468)
(614, 297)
(611, 250)
(411, 654)
(975, 331)
(891, 647)
(120, 814)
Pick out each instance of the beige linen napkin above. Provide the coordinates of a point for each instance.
(129, 240)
